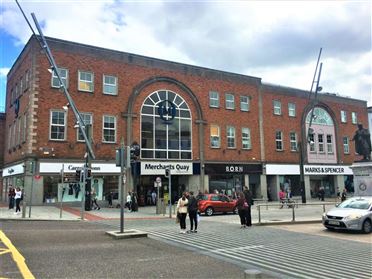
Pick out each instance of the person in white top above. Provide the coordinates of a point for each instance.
(129, 201)
(182, 211)
(18, 198)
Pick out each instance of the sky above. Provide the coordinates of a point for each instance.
(278, 41)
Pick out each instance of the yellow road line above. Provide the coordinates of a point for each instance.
(17, 257)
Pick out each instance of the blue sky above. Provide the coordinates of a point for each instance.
(277, 41)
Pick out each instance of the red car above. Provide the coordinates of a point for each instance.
(211, 203)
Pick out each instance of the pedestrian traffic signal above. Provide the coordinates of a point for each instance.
(167, 173)
(120, 157)
(135, 151)
(78, 175)
(89, 174)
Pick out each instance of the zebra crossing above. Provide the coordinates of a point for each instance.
(279, 253)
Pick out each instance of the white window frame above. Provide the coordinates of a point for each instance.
(293, 141)
(291, 109)
(214, 99)
(279, 140)
(246, 138)
(343, 116)
(89, 83)
(329, 144)
(57, 125)
(244, 103)
(354, 117)
(229, 101)
(64, 76)
(24, 134)
(113, 86)
(79, 134)
(346, 145)
(215, 138)
(277, 107)
(230, 137)
(321, 143)
(108, 128)
(312, 142)
(27, 79)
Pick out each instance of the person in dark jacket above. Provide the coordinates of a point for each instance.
(192, 208)
(11, 195)
(249, 199)
(242, 206)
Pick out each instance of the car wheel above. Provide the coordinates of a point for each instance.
(209, 211)
(366, 227)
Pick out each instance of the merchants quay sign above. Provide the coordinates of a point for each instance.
(177, 168)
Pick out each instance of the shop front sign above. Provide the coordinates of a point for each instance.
(13, 170)
(272, 169)
(158, 168)
(232, 169)
(73, 167)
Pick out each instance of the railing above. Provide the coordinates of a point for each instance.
(293, 206)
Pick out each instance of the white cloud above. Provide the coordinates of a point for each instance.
(275, 40)
(4, 72)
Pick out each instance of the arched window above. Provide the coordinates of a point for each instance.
(165, 127)
(320, 117)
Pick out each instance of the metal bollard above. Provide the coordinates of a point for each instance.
(252, 273)
(293, 213)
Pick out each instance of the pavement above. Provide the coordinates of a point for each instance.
(271, 214)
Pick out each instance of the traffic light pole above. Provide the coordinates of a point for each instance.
(170, 193)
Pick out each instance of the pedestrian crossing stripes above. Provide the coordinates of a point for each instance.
(287, 254)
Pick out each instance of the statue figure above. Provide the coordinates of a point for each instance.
(362, 140)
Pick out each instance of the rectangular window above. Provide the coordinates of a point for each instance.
(24, 134)
(27, 79)
(354, 118)
(16, 93)
(312, 142)
(215, 136)
(279, 140)
(21, 86)
(320, 143)
(277, 107)
(64, 76)
(230, 137)
(214, 99)
(109, 129)
(343, 116)
(291, 109)
(10, 137)
(293, 141)
(246, 138)
(19, 129)
(86, 81)
(230, 103)
(57, 125)
(329, 144)
(87, 118)
(244, 103)
(110, 85)
(346, 145)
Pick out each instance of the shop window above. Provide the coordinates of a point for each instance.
(109, 129)
(86, 80)
(165, 127)
(57, 125)
(64, 76)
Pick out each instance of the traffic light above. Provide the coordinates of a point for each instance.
(167, 173)
(78, 175)
(120, 157)
(135, 151)
(89, 174)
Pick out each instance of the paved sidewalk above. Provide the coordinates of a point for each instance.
(271, 214)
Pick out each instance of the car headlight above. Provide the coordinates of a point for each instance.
(353, 216)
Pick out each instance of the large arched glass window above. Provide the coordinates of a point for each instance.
(320, 117)
(162, 136)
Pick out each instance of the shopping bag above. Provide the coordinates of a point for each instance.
(198, 218)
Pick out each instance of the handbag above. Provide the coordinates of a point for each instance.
(245, 205)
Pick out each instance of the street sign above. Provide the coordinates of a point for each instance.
(158, 180)
(156, 184)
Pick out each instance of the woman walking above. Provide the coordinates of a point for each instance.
(17, 198)
(182, 211)
(242, 206)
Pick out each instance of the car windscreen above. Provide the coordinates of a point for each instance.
(202, 197)
(356, 204)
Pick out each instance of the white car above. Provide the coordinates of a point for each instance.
(352, 214)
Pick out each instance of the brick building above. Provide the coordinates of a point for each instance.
(216, 130)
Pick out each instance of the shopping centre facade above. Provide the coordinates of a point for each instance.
(215, 130)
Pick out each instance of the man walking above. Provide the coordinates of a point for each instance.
(249, 199)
